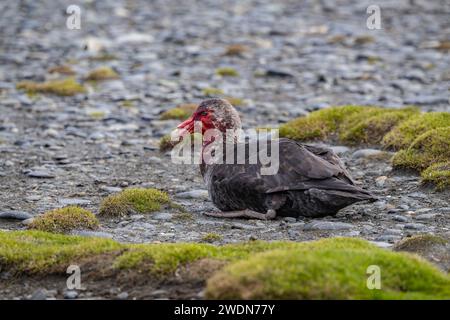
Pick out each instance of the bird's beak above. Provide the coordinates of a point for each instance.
(187, 125)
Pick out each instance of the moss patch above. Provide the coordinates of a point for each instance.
(38, 252)
(406, 132)
(227, 72)
(348, 124)
(330, 268)
(181, 112)
(168, 257)
(133, 200)
(65, 219)
(326, 269)
(211, 237)
(65, 87)
(370, 125)
(235, 101)
(438, 174)
(429, 148)
(102, 73)
(419, 242)
(212, 92)
(63, 69)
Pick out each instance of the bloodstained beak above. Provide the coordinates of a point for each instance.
(187, 125)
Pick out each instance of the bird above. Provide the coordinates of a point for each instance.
(311, 181)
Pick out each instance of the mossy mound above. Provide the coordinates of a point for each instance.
(209, 92)
(166, 258)
(419, 242)
(429, 148)
(348, 124)
(211, 237)
(405, 133)
(181, 112)
(102, 73)
(227, 72)
(133, 200)
(38, 252)
(65, 219)
(438, 174)
(371, 125)
(65, 87)
(327, 269)
(165, 143)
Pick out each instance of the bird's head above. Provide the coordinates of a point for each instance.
(213, 114)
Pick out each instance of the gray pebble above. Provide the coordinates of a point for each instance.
(194, 194)
(327, 225)
(17, 215)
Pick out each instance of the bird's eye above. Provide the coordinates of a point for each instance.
(204, 113)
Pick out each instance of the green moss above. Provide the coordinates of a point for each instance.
(62, 69)
(327, 269)
(102, 73)
(103, 57)
(419, 242)
(127, 104)
(97, 114)
(406, 132)
(227, 72)
(364, 39)
(133, 200)
(212, 92)
(165, 258)
(372, 124)
(165, 143)
(38, 252)
(65, 219)
(438, 174)
(235, 101)
(181, 112)
(322, 124)
(65, 87)
(429, 148)
(211, 237)
(347, 124)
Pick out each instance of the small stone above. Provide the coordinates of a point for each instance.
(426, 216)
(194, 194)
(327, 225)
(162, 216)
(27, 221)
(16, 215)
(399, 218)
(415, 226)
(73, 201)
(340, 150)
(39, 294)
(110, 189)
(122, 296)
(388, 238)
(41, 174)
(290, 219)
(363, 153)
(70, 294)
(380, 181)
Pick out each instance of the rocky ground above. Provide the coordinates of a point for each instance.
(302, 56)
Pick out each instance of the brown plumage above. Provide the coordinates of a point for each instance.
(311, 181)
